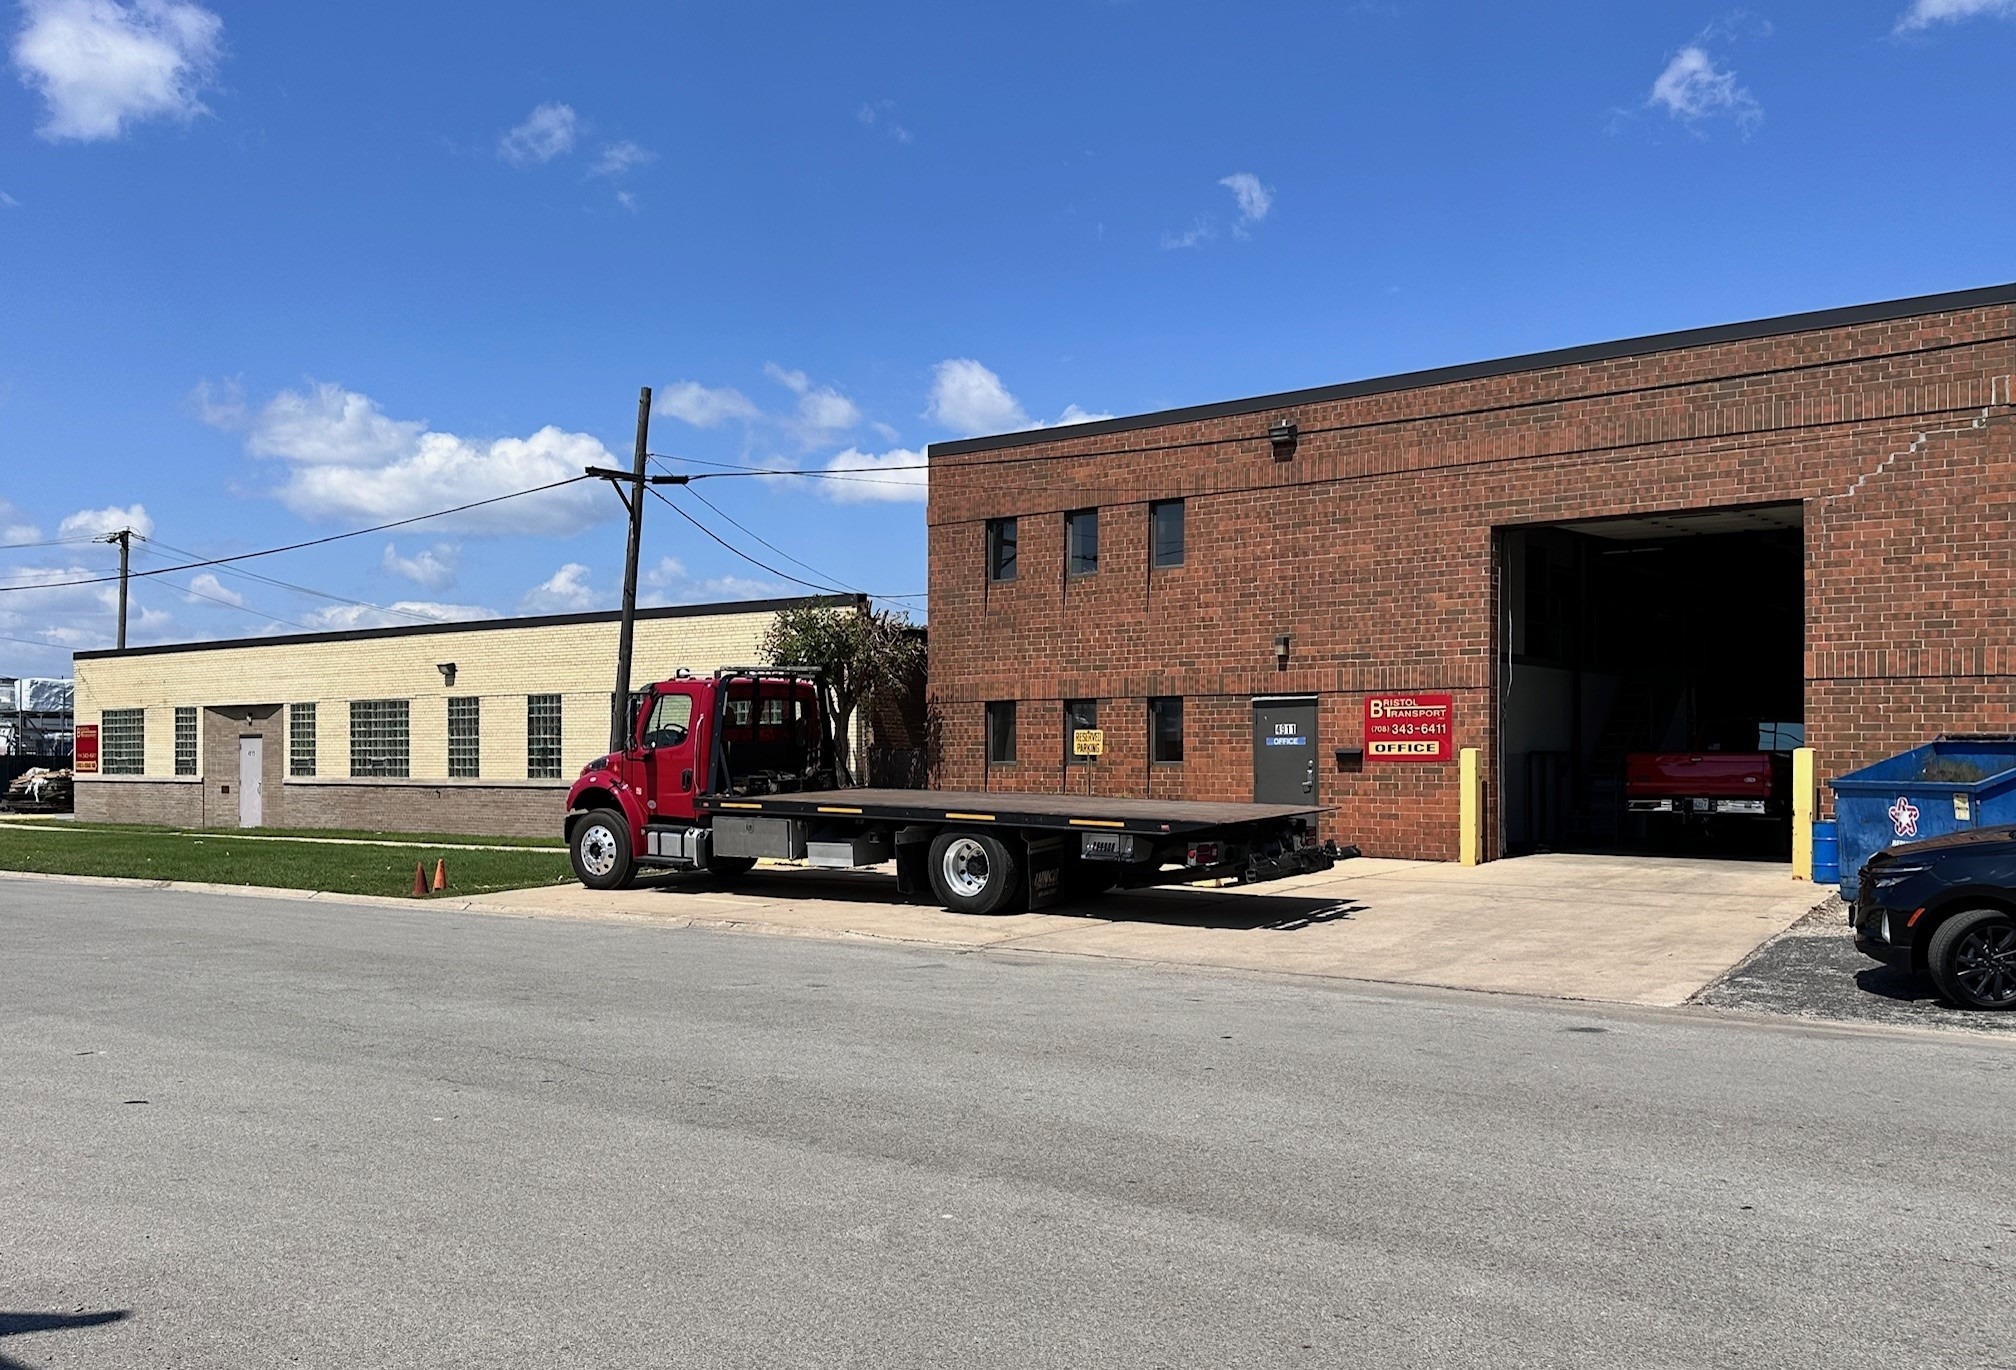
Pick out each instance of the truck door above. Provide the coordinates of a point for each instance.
(668, 737)
(1284, 751)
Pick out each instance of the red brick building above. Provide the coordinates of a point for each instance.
(1800, 525)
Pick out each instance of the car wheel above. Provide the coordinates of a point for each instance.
(1972, 958)
(972, 872)
(729, 867)
(600, 851)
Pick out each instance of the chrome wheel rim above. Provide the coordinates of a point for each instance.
(964, 867)
(1985, 963)
(598, 850)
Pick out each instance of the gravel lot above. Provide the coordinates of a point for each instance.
(1812, 970)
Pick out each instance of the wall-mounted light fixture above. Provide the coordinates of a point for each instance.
(1281, 651)
(1282, 438)
(447, 670)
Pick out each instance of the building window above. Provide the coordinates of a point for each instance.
(1165, 534)
(1001, 732)
(1081, 541)
(465, 738)
(1165, 730)
(542, 737)
(185, 742)
(122, 742)
(1079, 715)
(379, 739)
(1000, 549)
(301, 739)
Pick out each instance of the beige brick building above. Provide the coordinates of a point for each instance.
(456, 727)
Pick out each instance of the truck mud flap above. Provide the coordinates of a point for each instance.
(1042, 872)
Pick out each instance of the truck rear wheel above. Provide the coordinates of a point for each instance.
(600, 851)
(972, 872)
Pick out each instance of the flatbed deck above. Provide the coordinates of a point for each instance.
(1067, 813)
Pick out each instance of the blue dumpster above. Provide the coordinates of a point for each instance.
(1951, 785)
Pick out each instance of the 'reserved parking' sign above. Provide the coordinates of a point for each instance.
(1413, 727)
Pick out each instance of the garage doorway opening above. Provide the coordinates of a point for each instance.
(1651, 682)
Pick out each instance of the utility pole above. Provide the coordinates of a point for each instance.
(633, 500)
(124, 537)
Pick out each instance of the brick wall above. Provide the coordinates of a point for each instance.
(1372, 548)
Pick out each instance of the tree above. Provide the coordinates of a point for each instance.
(863, 655)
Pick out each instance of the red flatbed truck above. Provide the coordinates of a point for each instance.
(725, 770)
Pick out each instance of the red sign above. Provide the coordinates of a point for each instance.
(1408, 727)
(85, 759)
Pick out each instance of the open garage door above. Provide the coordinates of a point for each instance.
(1644, 659)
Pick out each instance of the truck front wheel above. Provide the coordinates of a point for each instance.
(972, 872)
(600, 851)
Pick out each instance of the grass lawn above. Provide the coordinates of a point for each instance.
(221, 858)
(417, 839)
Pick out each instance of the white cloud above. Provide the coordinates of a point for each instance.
(1693, 88)
(549, 131)
(14, 524)
(1254, 199)
(207, 586)
(346, 460)
(627, 200)
(618, 158)
(328, 426)
(41, 607)
(433, 568)
(879, 483)
(401, 613)
(566, 591)
(971, 400)
(102, 64)
(1200, 232)
(9, 201)
(96, 523)
(1924, 13)
(797, 382)
(881, 114)
(669, 582)
(701, 406)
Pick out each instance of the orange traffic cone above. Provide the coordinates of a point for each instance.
(440, 875)
(419, 880)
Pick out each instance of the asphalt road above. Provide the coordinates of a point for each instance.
(271, 1132)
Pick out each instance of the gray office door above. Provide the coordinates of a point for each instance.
(1284, 751)
(251, 781)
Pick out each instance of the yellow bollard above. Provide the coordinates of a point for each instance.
(1805, 807)
(1470, 809)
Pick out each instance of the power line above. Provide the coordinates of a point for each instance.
(312, 542)
(53, 542)
(861, 474)
(219, 599)
(299, 589)
(782, 575)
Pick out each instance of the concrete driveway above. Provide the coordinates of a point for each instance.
(1624, 929)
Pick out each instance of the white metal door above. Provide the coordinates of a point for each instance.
(251, 781)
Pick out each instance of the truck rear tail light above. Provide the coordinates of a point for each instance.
(1203, 854)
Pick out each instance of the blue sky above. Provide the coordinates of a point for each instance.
(270, 271)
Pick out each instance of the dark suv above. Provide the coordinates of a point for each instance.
(1947, 908)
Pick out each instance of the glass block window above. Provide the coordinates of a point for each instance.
(185, 742)
(1001, 731)
(1165, 533)
(1079, 715)
(465, 738)
(1001, 536)
(1165, 729)
(122, 742)
(300, 739)
(542, 737)
(1081, 541)
(380, 738)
